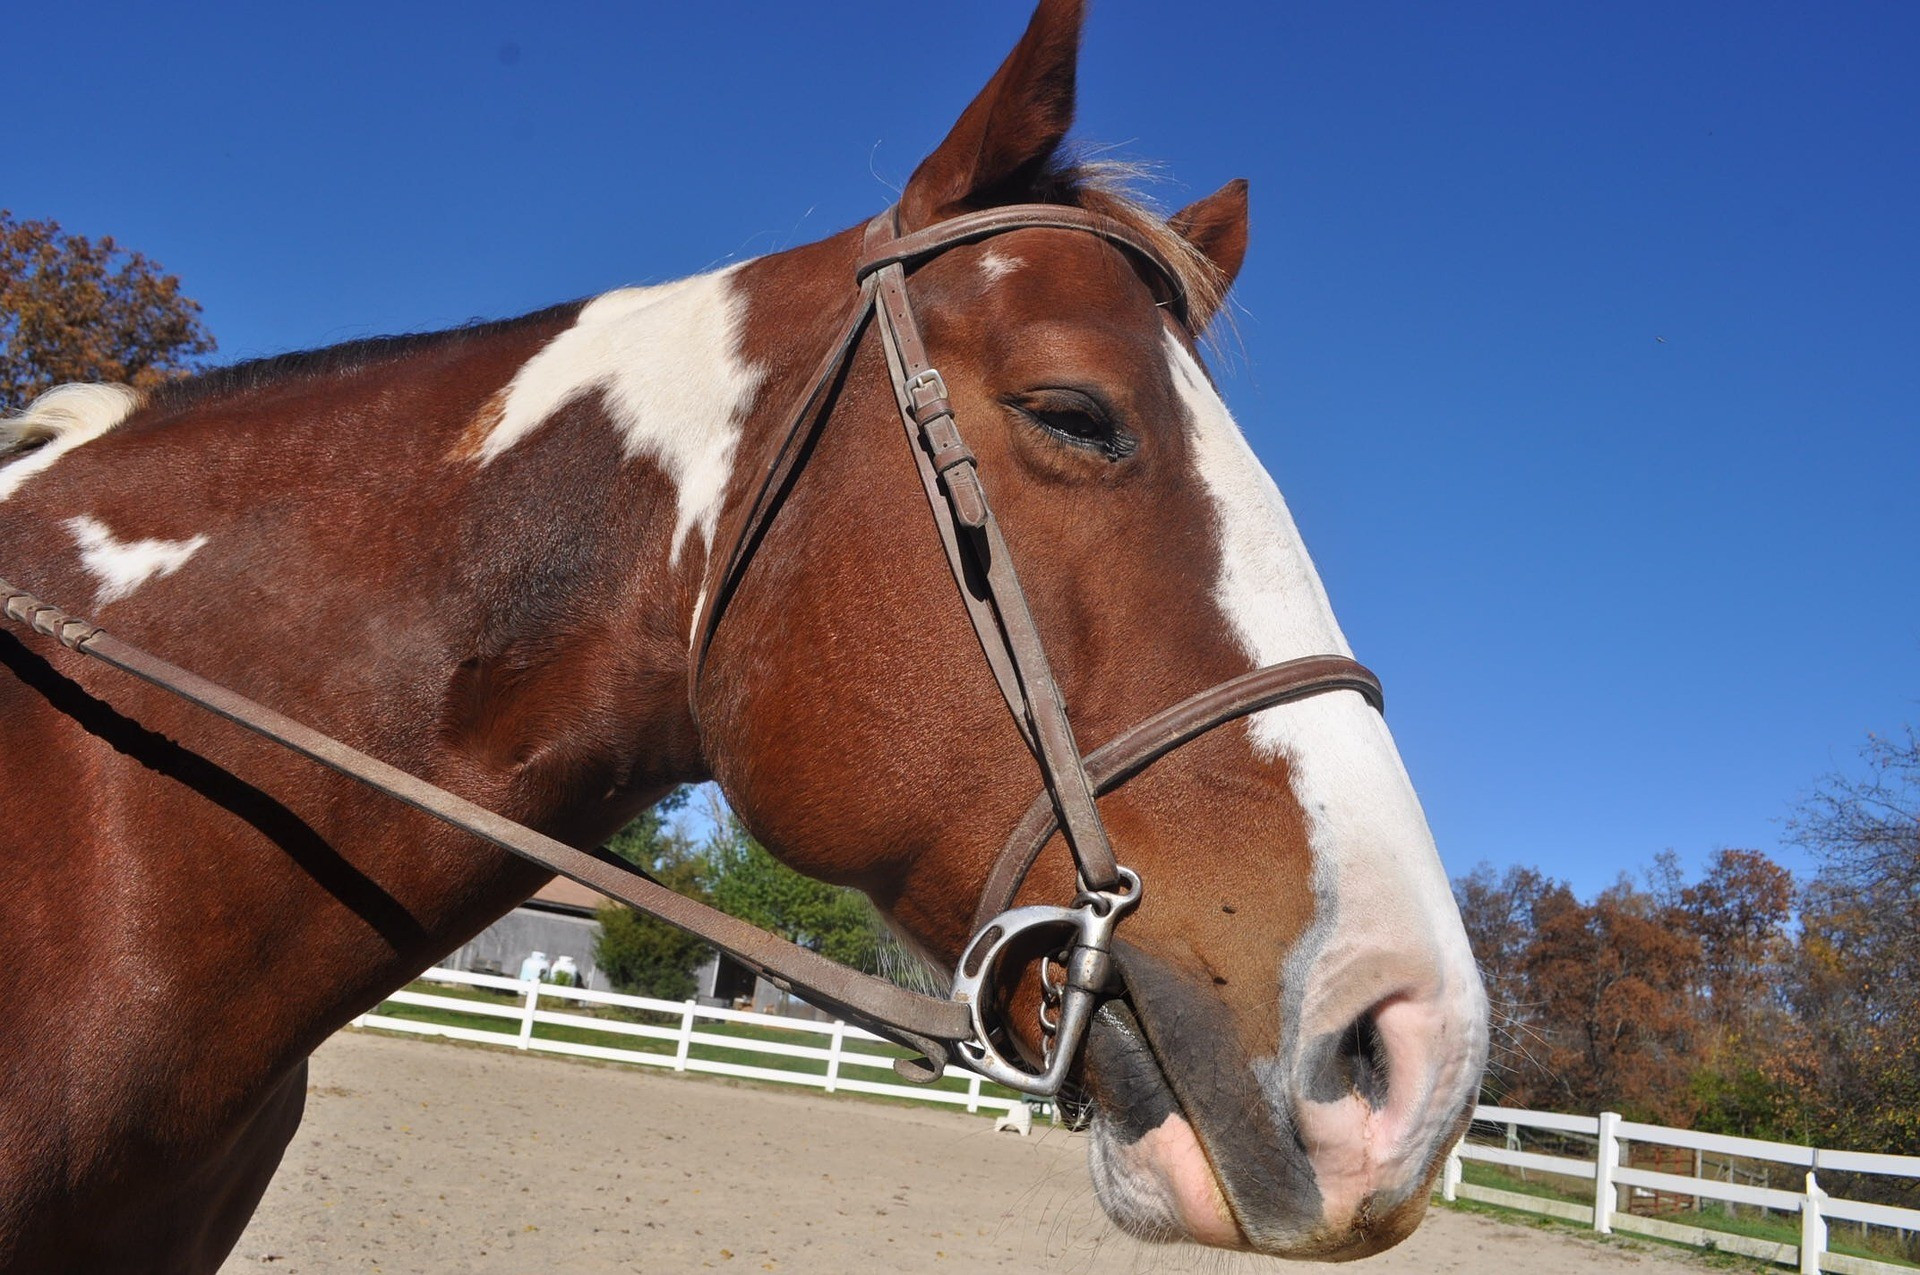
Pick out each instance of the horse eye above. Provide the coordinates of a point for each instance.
(1077, 418)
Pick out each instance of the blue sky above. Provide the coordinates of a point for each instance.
(1582, 339)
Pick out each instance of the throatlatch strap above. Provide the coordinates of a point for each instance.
(804, 428)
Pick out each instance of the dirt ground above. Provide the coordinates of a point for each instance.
(420, 1156)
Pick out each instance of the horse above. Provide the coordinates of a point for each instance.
(484, 556)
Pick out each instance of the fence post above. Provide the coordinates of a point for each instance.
(1813, 1226)
(686, 1037)
(526, 1016)
(1606, 1159)
(833, 1053)
(1513, 1144)
(1450, 1176)
(973, 1092)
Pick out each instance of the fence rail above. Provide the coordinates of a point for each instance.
(841, 1045)
(1617, 1182)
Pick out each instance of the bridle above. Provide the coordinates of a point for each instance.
(983, 569)
(962, 1027)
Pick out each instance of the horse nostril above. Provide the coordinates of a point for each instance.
(1353, 1062)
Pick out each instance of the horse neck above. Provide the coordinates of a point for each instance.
(481, 564)
(622, 455)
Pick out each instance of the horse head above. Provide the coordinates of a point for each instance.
(1303, 1026)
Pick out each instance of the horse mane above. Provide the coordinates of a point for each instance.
(335, 360)
(1105, 188)
(66, 411)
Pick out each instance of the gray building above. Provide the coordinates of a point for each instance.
(559, 921)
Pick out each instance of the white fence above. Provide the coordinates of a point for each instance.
(840, 1046)
(1616, 1182)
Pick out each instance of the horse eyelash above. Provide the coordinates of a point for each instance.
(1111, 441)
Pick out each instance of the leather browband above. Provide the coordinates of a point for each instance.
(909, 250)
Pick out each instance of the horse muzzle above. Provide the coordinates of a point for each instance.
(1327, 1154)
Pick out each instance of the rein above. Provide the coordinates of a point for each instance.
(959, 1028)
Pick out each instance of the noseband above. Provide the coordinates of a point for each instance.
(964, 1027)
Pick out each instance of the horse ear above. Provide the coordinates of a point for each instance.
(1005, 139)
(1217, 226)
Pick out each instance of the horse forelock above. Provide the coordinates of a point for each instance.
(1109, 188)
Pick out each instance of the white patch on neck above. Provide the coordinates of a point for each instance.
(997, 263)
(60, 420)
(123, 566)
(1385, 920)
(667, 361)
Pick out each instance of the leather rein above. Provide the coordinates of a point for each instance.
(960, 1028)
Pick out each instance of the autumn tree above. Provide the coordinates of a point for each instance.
(1741, 911)
(1498, 912)
(1613, 979)
(78, 309)
(1660, 1002)
(1855, 974)
(1592, 1004)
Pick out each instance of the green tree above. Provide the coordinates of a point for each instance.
(77, 309)
(751, 884)
(639, 954)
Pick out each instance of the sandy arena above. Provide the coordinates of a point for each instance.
(421, 1156)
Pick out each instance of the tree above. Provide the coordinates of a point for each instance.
(736, 874)
(1498, 912)
(1855, 974)
(1741, 912)
(1613, 979)
(639, 953)
(751, 884)
(76, 309)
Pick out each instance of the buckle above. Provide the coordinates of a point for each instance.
(926, 387)
(1088, 965)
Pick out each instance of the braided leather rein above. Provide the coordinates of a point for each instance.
(962, 1027)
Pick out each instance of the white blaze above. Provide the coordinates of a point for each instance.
(122, 566)
(667, 361)
(1386, 921)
